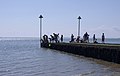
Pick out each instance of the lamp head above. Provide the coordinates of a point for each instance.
(79, 17)
(41, 16)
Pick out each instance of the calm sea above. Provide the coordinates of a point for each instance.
(23, 57)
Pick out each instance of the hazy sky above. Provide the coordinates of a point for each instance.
(19, 18)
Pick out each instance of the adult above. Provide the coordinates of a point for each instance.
(72, 38)
(61, 38)
(86, 37)
(94, 39)
(78, 39)
(45, 39)
(103, 38)
(56, 36)
(52, 38)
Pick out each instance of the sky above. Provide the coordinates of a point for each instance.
(20, 18)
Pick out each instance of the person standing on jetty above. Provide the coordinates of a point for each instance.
(72, 38)
(78, 39)
(86, 37)
(94, 38)
(56, 36)
(61, 38)
(103, 38)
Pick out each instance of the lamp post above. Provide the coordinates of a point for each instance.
(40, 32)
(79, 25)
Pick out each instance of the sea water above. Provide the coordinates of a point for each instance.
(24, 57)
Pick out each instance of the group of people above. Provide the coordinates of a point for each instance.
(53, 38)
(95, 40)
(86, 38)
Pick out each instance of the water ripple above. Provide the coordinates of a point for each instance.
(25, 58)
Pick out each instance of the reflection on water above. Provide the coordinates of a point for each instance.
(25, 58)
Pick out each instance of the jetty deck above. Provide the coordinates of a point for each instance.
(107, 52)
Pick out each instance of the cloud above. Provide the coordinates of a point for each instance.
(116, 29)
(110, 31)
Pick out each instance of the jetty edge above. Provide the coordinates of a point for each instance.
(107, 52)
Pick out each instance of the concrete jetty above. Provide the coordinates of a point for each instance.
(107, 52)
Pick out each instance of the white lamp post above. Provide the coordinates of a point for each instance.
(40, 32)
(79, 25)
